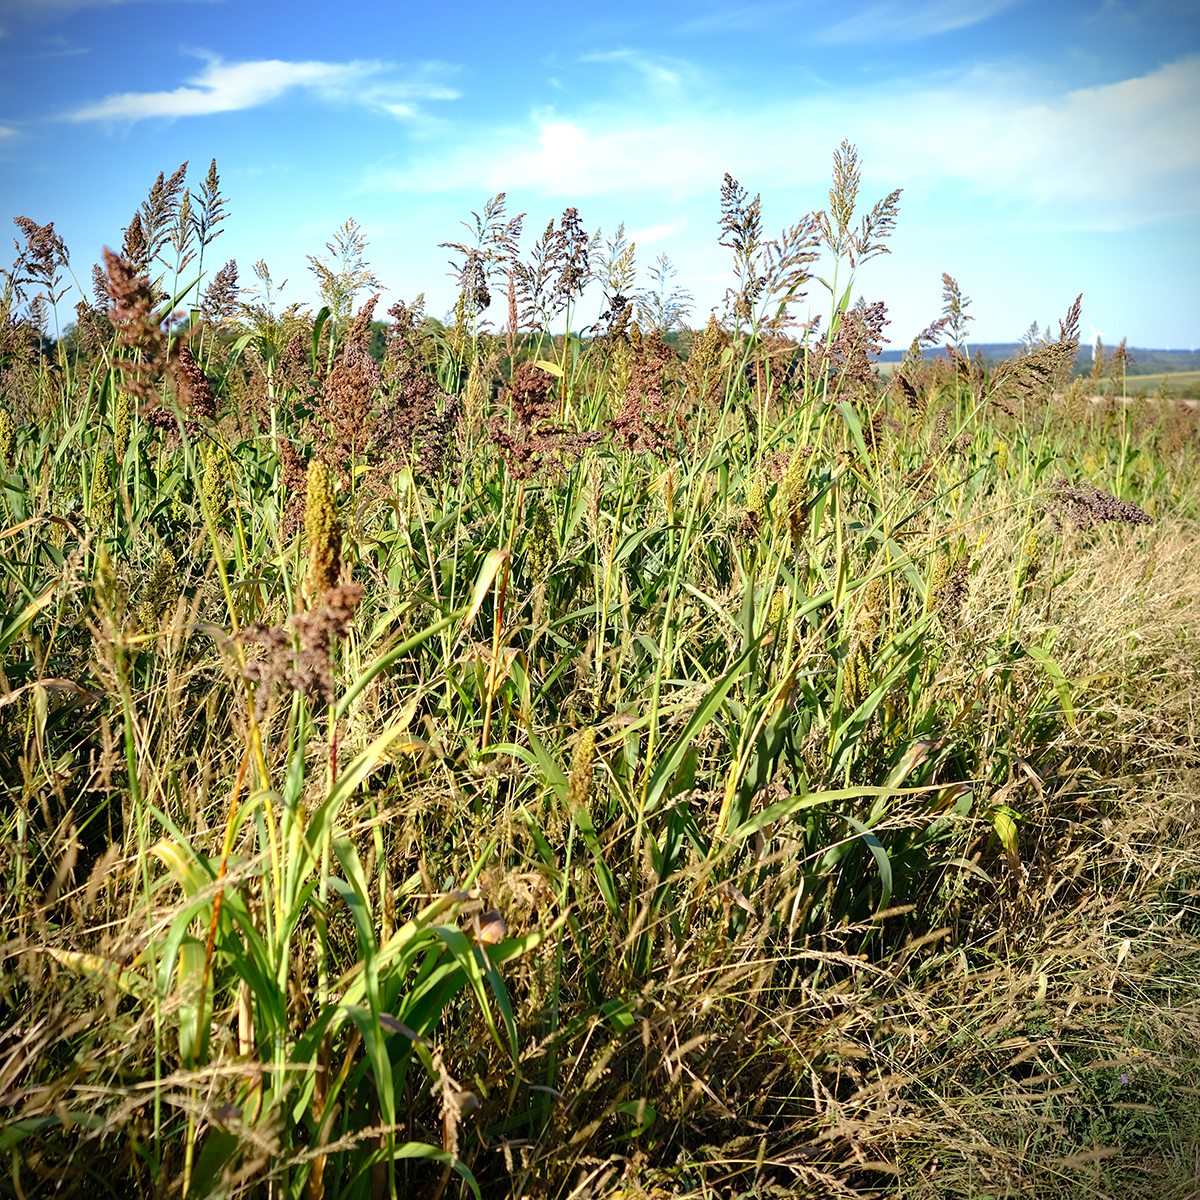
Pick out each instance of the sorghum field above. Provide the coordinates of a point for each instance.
(466, 759)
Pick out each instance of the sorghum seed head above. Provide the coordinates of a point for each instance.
(941, 429)
(952, 594)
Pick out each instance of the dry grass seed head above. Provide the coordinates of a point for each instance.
(139, 331)
(1088, 505)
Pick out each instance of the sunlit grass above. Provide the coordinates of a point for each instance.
(549, 764)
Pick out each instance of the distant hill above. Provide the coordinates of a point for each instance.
(995, 351)
(1150, 362)
(1146, 361)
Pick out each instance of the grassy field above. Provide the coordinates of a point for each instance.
(534, 766)
(1177, 384)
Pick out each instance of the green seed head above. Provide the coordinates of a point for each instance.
(621, 370)
(212, 489)
(702, 363)
(755, 501)
(580, 785)
(322, 531)
(476, 393)
(541, 543)
(103, 498)
(941, 567)
(161, 593)
(795, 494)
(1031, 559)
(8, 440)
(777, 607)
(870, 614)
(121, 427)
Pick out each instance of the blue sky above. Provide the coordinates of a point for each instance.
(1044, 149)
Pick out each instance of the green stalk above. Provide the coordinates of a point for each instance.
(141, 824)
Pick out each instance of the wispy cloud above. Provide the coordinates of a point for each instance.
(909, 22)
(1051, 155)
(222, 87)
(742, 17)
(49, 9)
(898, 20)
(661, 74)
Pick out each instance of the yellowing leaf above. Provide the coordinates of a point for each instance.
(182, 865)
(96, 967)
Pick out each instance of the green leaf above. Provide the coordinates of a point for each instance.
(348, 782)
(881, 858)
(670, 762)
(543, 847)
(619, 1015)
(422, 1150)
(12, 625)
(96, 967)
(384, 661)
(11, 1136)
(1062, 689)
(220, 1148)
(318, 325)
(476, 968)
(552, 771)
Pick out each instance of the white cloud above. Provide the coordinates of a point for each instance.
(569, 157)
(656, 233)
(1118, 154)
(1105, 157)
(5, 132)
(222, 87)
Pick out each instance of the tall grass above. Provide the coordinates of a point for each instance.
(550, 763)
